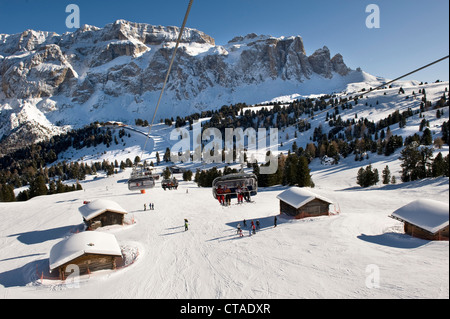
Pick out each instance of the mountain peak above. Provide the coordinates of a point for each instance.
(122, 67)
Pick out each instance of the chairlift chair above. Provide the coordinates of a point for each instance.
(139, 181)
(169, 183)
(233, 181)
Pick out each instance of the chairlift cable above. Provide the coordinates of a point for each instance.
(376, 88)
(371, 90)
(168, 73)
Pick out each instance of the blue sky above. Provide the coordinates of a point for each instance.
(412, 33)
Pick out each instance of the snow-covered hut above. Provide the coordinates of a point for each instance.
(424, 218)
(102, 212)
(301, 203)
(89, 251)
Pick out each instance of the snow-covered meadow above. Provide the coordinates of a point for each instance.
(326, 257)
(359, 253)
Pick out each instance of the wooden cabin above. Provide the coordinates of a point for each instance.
(84, 252)
(301, 203)
(424, 218)
(101, 213)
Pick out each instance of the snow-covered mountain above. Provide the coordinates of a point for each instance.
(50, 82)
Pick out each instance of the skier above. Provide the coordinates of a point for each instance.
(220, 197)
(239, 195)
(186, 225)
(245, 223)
(239, 228)
(145, 207)
(227, 192)
(257, 224)
(246, 194)
(254, 229)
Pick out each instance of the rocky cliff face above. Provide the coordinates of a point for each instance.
(124, 64)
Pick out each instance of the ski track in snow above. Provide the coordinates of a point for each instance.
(323, 257)
(311, 258)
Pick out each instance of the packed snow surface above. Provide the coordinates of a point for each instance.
(325, 257)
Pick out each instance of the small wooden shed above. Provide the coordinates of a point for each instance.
(301, 203)
(89, 251)
(102, 212)
(425, 219)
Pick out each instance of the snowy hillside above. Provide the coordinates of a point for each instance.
(52, 83)
(374, 106)
(325, 257)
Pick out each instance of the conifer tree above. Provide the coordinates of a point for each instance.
(7, 193)
(438, 166)
(386, 175)
(427, 138)
(416, 162)
(166, 157)
(367, 177)
(38, 187)
(290, 170)
(303, 173)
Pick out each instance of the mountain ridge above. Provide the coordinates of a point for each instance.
(52, 82)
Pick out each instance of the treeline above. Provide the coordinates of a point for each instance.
(54, 176)
(38, 187)
(356, 136)
(22, 166)
(205, 178)
(417, 163)
(268, 116)
(293, 170)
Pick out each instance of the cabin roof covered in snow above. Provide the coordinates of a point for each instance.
(298, 197)
(427, 214)
(98, 207)
(88, 242)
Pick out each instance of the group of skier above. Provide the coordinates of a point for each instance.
(151, 206)
(225, 193)
(254, 226)
(252, 229)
